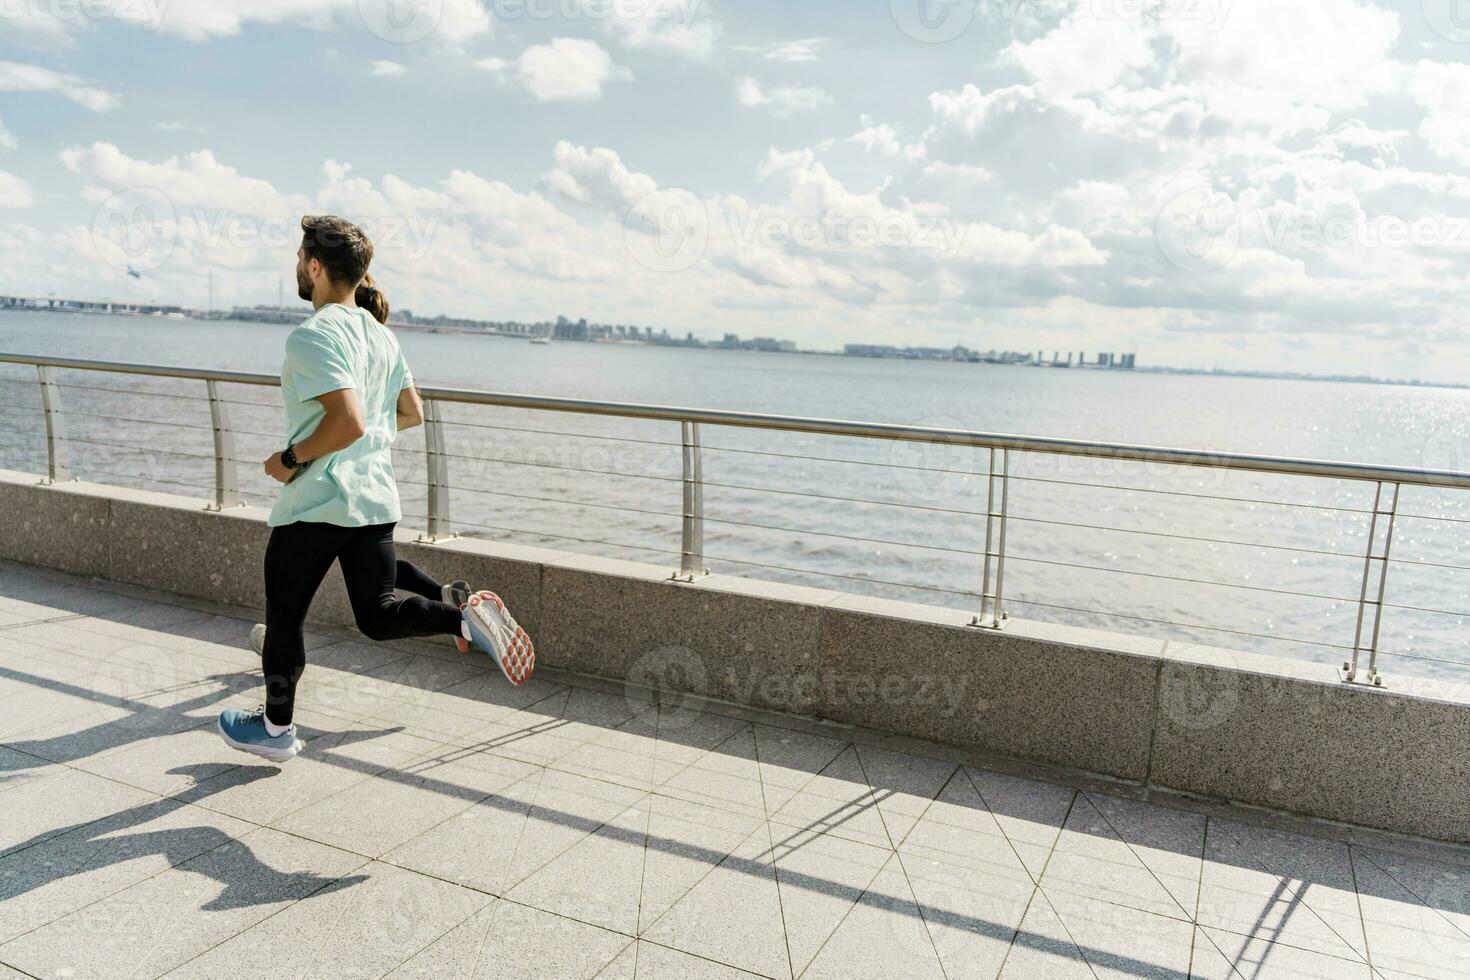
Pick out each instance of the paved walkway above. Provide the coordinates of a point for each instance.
(441, 824)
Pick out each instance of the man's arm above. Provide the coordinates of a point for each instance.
(341, 427)
(410, 409)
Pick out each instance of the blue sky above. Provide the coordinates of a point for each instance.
(1212, 182)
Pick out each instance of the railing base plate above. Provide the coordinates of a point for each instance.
(1374, 679)
(990, 622)
(431, 539)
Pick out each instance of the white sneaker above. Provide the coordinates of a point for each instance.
(495, 631)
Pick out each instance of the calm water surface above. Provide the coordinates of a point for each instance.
(1227, 559)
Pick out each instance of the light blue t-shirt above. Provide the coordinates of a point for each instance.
(343, 347)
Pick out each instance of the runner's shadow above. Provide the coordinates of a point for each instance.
(202, 849)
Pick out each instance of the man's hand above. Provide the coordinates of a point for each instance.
(277, 470)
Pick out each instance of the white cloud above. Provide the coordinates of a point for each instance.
(196, 180)
(18, 77)
(1084, 53)
(564, 70)
(1443, 90)
(597, 177)
(687, 28)
(7, 138)
(788, 52)
(388, 69)
(452, 22)
(783, 102)
(14, 192)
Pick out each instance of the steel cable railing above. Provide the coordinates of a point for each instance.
(957, 518)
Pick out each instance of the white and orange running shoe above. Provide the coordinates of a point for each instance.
(494, 630)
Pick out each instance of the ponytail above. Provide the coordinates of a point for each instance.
(372, 299)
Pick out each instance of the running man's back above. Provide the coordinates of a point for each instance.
(343, 347)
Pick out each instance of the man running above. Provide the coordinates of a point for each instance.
(347, 391)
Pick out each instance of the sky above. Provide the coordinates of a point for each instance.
(1244, 184)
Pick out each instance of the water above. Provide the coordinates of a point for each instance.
(1276, 565)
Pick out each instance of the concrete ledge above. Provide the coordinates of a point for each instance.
(1192, 720)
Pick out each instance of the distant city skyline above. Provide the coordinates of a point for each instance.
(1248, 184)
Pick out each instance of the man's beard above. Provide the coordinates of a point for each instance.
(303, 286)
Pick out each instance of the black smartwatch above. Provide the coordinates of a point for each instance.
(288, 458)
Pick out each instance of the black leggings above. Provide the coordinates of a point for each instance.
(297, 559)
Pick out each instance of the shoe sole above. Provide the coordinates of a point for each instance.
(274, 755)
(518, 662)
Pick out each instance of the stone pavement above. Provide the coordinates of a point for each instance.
(443, 824)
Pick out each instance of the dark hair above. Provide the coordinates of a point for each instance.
(339, 245)
(372, 299)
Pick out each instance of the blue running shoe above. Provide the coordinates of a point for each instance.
(245, 730)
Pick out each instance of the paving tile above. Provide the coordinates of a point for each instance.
(1129, 853)
(971, 916)
(511, 942)
(167, 920)
(598, 880)
(1118, 942)
(648, 961)
(903, 785)
(884, 935)
(343, 933)
(1282, 888)
(1220, 955)
(733, 915)
(338, 754)
(73, 869)
(838, 801)
(821, 878)
(60, 800)
(396, 804)
(512, 833)
(1030, 813)
(685, 841)
(1416, 913)
(958, 830)
(1043, 949)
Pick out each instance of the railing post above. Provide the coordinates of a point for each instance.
(691, 548)
(226, 475)
(56, 469)
(437, 475)
(1379, 587)
(992, 612)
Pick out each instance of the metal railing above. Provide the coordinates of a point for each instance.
(1387, 482)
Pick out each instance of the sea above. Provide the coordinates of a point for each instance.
(1208, 556)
